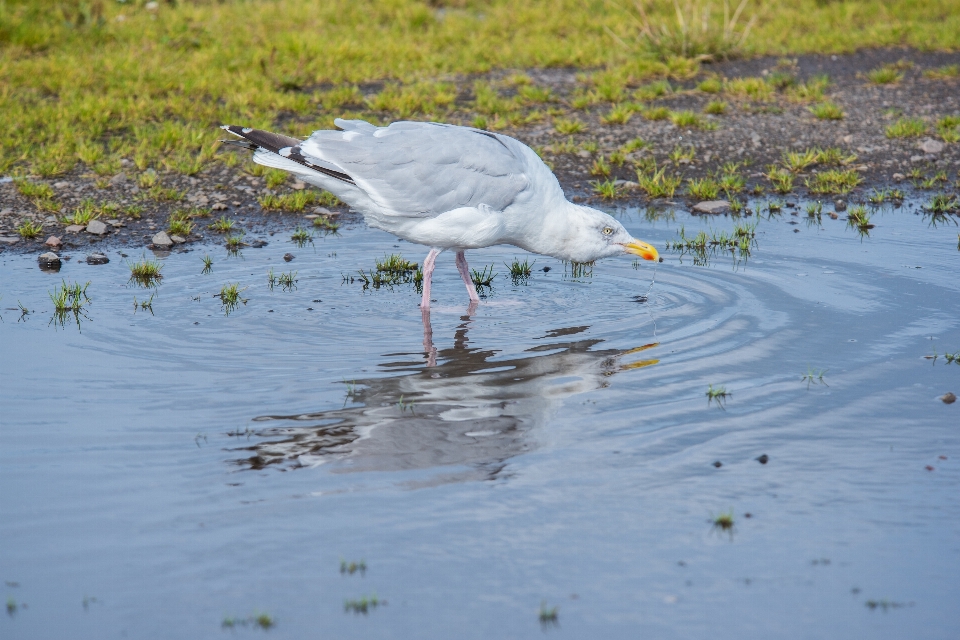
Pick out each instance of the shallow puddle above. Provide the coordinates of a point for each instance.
(174, 470)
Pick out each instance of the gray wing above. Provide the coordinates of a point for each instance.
(421, 169)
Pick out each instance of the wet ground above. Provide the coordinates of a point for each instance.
(177, 471)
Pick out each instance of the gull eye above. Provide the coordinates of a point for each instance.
(607, 231)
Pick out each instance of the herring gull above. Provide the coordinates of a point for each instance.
(446, 187)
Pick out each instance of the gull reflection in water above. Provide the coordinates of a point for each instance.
(461, 408)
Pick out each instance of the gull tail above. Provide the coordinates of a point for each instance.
(280, 152)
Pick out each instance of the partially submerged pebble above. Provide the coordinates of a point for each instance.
(178, 239)
(162, 240)
(711, 206)
(97, 228)
(287, 257)
(718, 464)
(97, 258)
(49, 261)
(75, 228)
(257, 244)
(53, 242)
(948, 398)
(763, 459)
(840, 205)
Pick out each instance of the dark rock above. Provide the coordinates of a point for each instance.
(257, 244)
(718, 464)
(764, 459)
(546, 269)
(49, 261)
(840, 205)
(948, 398)
(97, 258)
(288, 257)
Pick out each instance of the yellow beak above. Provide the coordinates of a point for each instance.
(642, 249)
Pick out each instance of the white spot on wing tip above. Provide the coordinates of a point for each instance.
(285, 152)
(247, 129)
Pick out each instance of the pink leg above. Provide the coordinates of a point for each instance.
(467, 280)
(428, 348)
(428, 264)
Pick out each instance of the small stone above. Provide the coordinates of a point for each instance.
(311, 216)
(63, 184)
(53, 242)
(718, 464)
(948, 398)
(97, 258)
(931, 146)
(97, 228)
(258, 244)
(9, 239)
(49, 260)
(75, 228)
(178, 239)
(118, 179)
(916, 158)
(898, 177)
(299, 186)
(162, 240)
(840, 205)
(833, 216)
(219, 207)
(711, 206)
(546, 269)
(763, 459)
(236, 203)
(287, 257)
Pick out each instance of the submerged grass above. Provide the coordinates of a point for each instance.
(146, 273)
(68, 299)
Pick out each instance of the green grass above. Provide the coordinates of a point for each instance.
(548, 615)
(68, 299)
(691, 119)
(781, 179)
(814, 376)
(29, 229)
(797, 161)
(724, 521)
(87, 211)
(619, 114)
(82, 85)
(293, 201)
(262, 620)
(608, 189)
(834, 156)
(207, 264)
(716, 107)
(827, 111)
(703, 188)
(653, 90)
(520, 272)
(483, 279)
(859, 218)
(180, 226)
(887, 74)
(222, 225)
(301, 236)
(600, 168)
(907, 128)
(656, 113)
(230, 297)
(834, 181)
(362, 605)
(658, 184)
(287, 281)
(568, 126)
(943, 73)
(352, 567)
(325, 224)
(718, 395)
(146, 273)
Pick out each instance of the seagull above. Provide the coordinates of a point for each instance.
(446, 187)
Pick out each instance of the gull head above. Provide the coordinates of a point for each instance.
(593, 234)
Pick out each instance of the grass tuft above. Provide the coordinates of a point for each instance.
(146, 273)
(834, 181)
(827, 111)
(907, 128)
(29, 229)
(520, 272)
(718, 395)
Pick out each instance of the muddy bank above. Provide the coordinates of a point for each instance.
(754, 133)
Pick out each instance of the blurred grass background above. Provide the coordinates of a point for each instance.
(94, 82)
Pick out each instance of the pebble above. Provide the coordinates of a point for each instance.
(287, 257)
(840, 205)
(49, 260)
(718, 464)
(97, 258)
(178, 239)
(97, 228)
(219, 207)
(763, 459)
(948, 398)
(9, 239)
(299, 186)
(75, 228)
(931, 146)
(899, 177)
(162, 240)
(711, 206)
(257, 244)
(118, 179)
(63, 184)
(53, 242)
